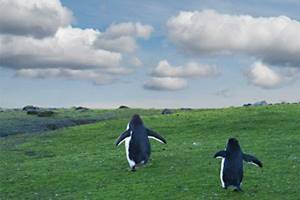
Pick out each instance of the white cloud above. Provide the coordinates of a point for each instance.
(129, 29)
(122, 37)
(98, 77)
(120, 44)
(166, 83)
(274, 40)
(68, 48)
(38, 41)
(135, 62)
(191, 69)
(263, 76)
(38, 18)
(168, 77)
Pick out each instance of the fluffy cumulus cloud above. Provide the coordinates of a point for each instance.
(121, 37)
(42, 43)
(68, 48)
(98, 77)
(191, 69)
(130, 29)
(38, 18)
(165, 83)
(168, 77)
(273, 40)
(263, 76)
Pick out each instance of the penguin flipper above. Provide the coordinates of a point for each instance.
(155, 136)
(122, 137)
(252, 160)
(220, 154)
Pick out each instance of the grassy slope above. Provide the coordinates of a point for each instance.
(16, 122)
(82, 162)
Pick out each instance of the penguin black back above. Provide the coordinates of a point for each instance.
(137, 144)
(233, 145)
(233, 164)
(136, 121)
(231, 173)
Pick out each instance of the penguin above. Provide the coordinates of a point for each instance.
(137, 145)
(231, 173)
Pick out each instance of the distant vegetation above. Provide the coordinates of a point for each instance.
(17, 121)
(81, 162)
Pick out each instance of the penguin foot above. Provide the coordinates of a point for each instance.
(133, 169)
(238, 189)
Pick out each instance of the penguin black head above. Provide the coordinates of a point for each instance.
(233, 145)
(136, 121)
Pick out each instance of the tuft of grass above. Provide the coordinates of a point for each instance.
(82, 162)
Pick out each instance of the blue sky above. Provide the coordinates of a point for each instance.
(242, 62)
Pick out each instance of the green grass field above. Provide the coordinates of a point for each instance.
(82, 162)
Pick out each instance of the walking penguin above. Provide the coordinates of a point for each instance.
(231, 173)
(137, 144)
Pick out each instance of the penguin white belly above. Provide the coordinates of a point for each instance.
(221, 172)
(130, 162)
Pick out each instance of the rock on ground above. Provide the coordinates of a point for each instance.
(166, 111)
